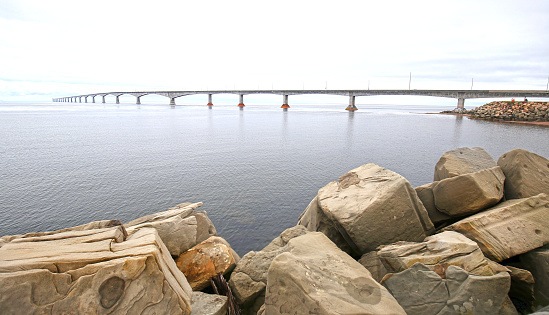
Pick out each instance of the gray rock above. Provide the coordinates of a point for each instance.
(522, 285)
(537, 263)
(511, 228)
(422, 291)
(527, 174)
(315, 276)
(372, 206)
(469, 193)
(462, 161)
(209, 304)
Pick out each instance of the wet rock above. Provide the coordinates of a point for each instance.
(315, 276)
(527, 174)
(209, 304)
(422, 291)
(206, 260)
(469, 193)
(94, 271)
(462, 161)
(511, 228)
(179, 227)
(371, 206)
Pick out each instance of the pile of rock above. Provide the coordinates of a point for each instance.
(472, 241)
(512, 111)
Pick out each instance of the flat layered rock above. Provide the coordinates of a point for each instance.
(469, 193)
(372, 206)
(205, 260)
(95, 271)
(438, 252)
(422, 291)
(315, 276)
(180, 227)
(462, 161)
(209, 304)
(511, 228)
(527, 174)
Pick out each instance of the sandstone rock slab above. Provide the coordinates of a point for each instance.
(205, 260)
(527, 174)
(469, 193)
(422, 291)
(97, 271)
(180, 227)
(511, 228)
(209, 304)
(462, 161)
(425, 194)
(315, 276)
(372, 206)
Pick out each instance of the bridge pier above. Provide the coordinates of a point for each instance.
(103, 99)
(461, 105)
(210, 103)
(117, 99)
(352, 106)
(285, 101)
(80, 99)
(85, 99)
(138, 100)
(172, 100)
(241, 100)
(93, 99)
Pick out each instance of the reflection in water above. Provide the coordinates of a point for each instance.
(350, 128)
(457, 130)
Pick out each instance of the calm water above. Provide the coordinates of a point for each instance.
(255, 170)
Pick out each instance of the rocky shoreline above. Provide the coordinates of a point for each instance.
(474, 241)
(510, 111)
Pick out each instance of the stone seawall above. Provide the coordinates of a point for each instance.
(512, 111)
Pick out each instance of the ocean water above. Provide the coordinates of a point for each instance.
(255, 169)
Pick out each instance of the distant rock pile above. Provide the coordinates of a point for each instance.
(512, 111)
(474, 241)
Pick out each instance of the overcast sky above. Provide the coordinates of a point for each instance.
(64, 47)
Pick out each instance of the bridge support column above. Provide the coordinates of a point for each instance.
(85, 99)
(172, 100)
(93, 99)
(461, 105)
(210, 103)
(285, 101)
(241, 100)
(138, 100)
(103, 96)
(80, 99)
(352, 106)
(117, 99)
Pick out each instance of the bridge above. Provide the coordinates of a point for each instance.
(460, 95)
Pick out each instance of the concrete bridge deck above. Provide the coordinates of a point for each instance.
(460, 95)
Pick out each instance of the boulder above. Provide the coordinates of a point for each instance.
(537, 263)
(522, 287)
(422, 291)
(209, 304)
(314, 219)
(315, 276)
(179, 227)
(96, 271)
(526, 173)
(372, 206)
(206, 260)
(511, 228)
(375, 266)
(425, 194)
(469, 193)
(438, 252)
(249, 278)
(462, 161)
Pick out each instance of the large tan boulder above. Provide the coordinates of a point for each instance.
(511, 228)
(249, 278)
(372, 206)
(425, 194)
(462, 161)
(205, 260)
(420, 291)
(527, 174)
(97, 271)
(315, 276)
(438, 252)
(180, 227)
(469, 193)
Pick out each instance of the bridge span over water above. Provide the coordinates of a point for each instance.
(460, 95)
